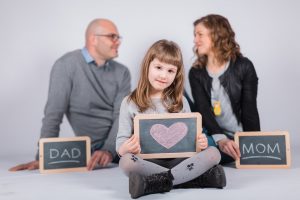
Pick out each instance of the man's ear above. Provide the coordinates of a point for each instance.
(92, 39)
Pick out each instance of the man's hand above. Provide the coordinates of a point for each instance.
(229, 147)
(27, 166)
(102, 158)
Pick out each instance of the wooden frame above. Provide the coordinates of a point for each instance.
(272, 166)
(168, 116)
(59, 170)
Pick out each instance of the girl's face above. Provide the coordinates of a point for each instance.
(202, 40)
(161, 76)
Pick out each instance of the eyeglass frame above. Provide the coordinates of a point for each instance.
(112, 36)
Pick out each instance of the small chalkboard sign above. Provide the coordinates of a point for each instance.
(64, 154)
(170, 135)
(263, 149)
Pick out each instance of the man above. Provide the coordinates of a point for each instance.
(88, 86)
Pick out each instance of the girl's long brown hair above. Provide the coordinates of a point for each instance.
(223, 40)
(167, 52)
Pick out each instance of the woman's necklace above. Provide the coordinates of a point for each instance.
(217, 109)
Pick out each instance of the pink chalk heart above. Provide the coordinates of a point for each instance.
(168, 137)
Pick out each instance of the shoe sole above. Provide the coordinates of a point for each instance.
(135, 188)
(223, 178)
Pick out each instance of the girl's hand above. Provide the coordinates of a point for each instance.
(131, 145)
(202, 141)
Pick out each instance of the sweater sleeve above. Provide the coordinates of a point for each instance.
(124, 90)
(58, 101)
(125, 130)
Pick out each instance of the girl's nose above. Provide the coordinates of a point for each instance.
(163, 74)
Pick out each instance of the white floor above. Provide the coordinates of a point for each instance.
(107, 184)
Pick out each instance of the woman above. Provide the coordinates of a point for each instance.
(223, 84)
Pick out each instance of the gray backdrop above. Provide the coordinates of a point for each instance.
(35, 33)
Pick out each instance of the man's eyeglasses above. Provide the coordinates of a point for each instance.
(113, 37)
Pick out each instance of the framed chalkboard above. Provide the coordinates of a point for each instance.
(170, 135)
(64, 154)
(263, 149)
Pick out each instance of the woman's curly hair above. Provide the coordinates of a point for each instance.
(223, 40)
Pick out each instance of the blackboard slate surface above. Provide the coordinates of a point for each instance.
(168, 135)
(263, 149)
(64, 154)
(187, 144)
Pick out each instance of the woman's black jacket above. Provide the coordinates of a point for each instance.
(240, 82)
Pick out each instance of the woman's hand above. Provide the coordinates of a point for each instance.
(229, 147)
(202, 141)
(131, 145)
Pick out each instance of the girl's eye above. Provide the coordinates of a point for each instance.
(171, 71)
(158, 67)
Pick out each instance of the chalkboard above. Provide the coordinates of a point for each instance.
(263, 149)
(169, 135)
(64, 154)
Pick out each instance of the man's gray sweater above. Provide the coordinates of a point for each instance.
(89, 95)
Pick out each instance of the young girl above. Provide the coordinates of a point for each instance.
(160, 90)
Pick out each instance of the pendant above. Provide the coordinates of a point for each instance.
(217, 108)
